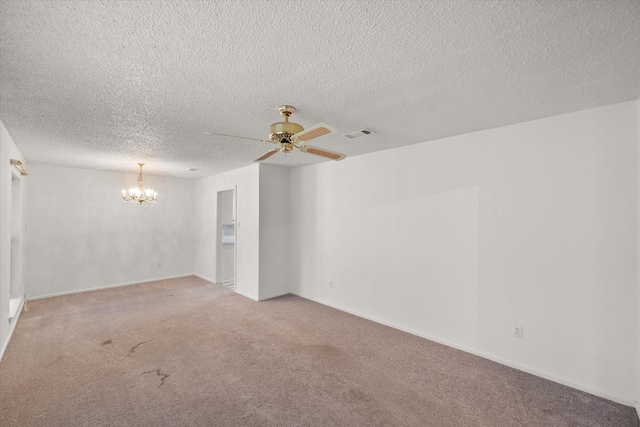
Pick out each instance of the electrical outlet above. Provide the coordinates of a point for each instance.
(331, 283)
(518, 331)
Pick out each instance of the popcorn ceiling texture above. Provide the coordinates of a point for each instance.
(105, 84)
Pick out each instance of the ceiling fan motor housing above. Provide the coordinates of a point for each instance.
(283, 130)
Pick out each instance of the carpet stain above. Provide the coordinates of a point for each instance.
(355, 395)
(133, 349)
(327, 353)
(158, 373)
(107, 342)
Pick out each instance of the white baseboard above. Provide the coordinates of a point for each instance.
(14, 306)
(251, 297)
(12, 327)
(550, 377)
(204, 278)
(276, 295)
(569, 383)
(223, 283)
(98, 288)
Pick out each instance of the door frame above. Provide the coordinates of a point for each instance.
(219, 236)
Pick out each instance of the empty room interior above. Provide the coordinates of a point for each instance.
(411, 213)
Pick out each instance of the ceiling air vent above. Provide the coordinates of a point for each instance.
(359, 133)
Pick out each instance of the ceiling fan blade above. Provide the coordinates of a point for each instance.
(238, 137)
(314, 132)
(267, 154)
(322, 152)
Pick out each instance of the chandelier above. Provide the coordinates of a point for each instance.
(140, 195)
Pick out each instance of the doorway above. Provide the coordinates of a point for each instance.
(226, 240)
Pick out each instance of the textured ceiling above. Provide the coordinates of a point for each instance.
(105, 84)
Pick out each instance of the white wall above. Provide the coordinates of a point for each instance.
(18, 226)
(81, 235)
(274, 231)
(246, 183)
(262, 224)
(638, 264)
(8, 151)
(462, 239)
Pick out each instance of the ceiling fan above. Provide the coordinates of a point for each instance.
(291, 135)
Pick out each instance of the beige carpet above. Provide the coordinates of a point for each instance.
(188, 353)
